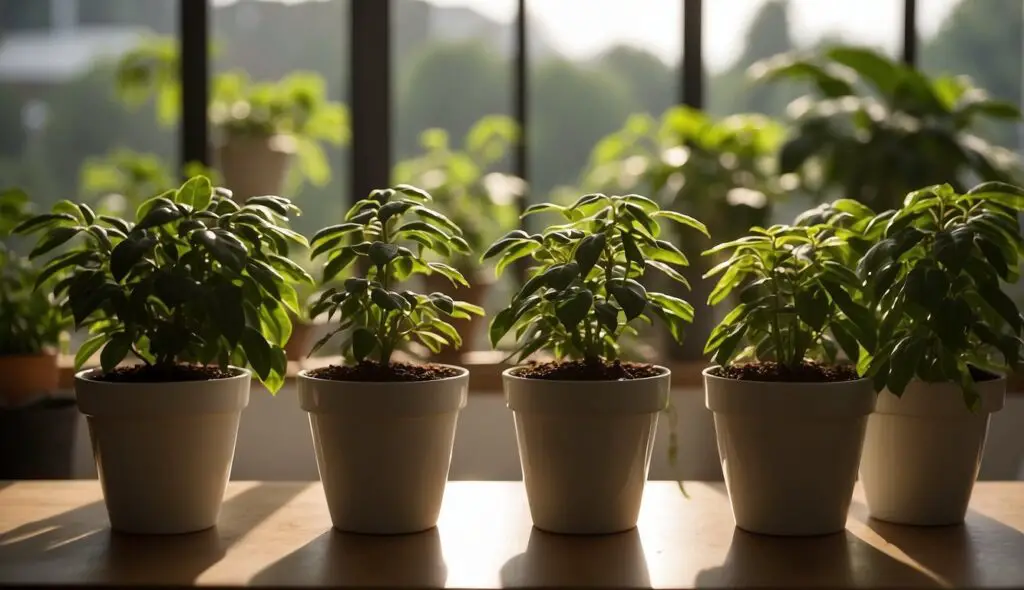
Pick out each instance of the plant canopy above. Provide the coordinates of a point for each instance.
(583, 293)
(194, 279)
(390, 232)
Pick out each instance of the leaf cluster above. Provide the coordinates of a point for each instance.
(30, 322)
(195, 278)
(583, 292)
(934, 274)
(482, 202)
(797, 299)
(390, 234)
(874, 129)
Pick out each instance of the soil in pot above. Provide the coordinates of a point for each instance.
(369, 371)
(162, 373)
(807, 372)
(587, 371)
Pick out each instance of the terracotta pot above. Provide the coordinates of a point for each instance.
(255, 166)
(467, 329)
(298, 344)
(26, 377)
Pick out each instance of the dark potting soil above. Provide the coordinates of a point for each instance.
(807, 372)
(163, 373)
(587, 371)
(368, 371)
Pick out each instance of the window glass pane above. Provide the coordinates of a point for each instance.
(983, 39)
(66, 131)
(287, 49)
(453, 131)
(738, 33)
(589, 70)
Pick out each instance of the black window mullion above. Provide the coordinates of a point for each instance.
(692, 91)
(910, 32)
(193, 30)
(370, 91)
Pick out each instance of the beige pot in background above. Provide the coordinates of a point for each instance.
(585, 448)
(383, 449)
(163, 451)
(253, 166)
(923, 451)
(27, 377)
(789, 451)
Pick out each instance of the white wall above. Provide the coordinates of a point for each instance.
(274, 441)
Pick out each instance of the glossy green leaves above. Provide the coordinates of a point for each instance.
(582, 293)
(392, 232)
(935, 273)
(795, 299)
(196, 278)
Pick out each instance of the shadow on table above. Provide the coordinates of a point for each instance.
(552, 561)
(839, 560)
(983, 552)
(345, 559)
(78, 545)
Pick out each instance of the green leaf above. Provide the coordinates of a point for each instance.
(588, 251)
(128, 253)
(382, 253)
(223, 251)
(364, 342)
(117, 348)
(57, 237)
(607, 315)
(157, 217)
(197, 192)
(89, 348)
(43, 221)
(571, 311)
(414, 192)
(630, 295)
(333, 231)
(257, 352)
(683, 219)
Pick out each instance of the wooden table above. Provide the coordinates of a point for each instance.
(279, 534)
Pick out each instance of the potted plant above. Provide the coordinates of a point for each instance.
(465, 188)
(383, 428)
(194, 290)
(789, 414)
(264, 124)
(585, 422)
(873, 129)
(36, 428)
(947, 336)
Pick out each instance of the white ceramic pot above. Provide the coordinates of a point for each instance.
(163, 451)
(255, 166)
(585, 448)
(383, 449)
(923, 451)
(789, 451)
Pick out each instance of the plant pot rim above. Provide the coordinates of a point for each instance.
(463, 373)
(662, 373)
(792, 384)
(88, 374)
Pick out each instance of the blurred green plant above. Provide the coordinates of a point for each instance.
(122, 179)
(31, 320)
(295, 106)
(719, 171)
(874, 129)
(465, 187)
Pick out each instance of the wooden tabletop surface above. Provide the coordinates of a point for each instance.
(279, 534)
